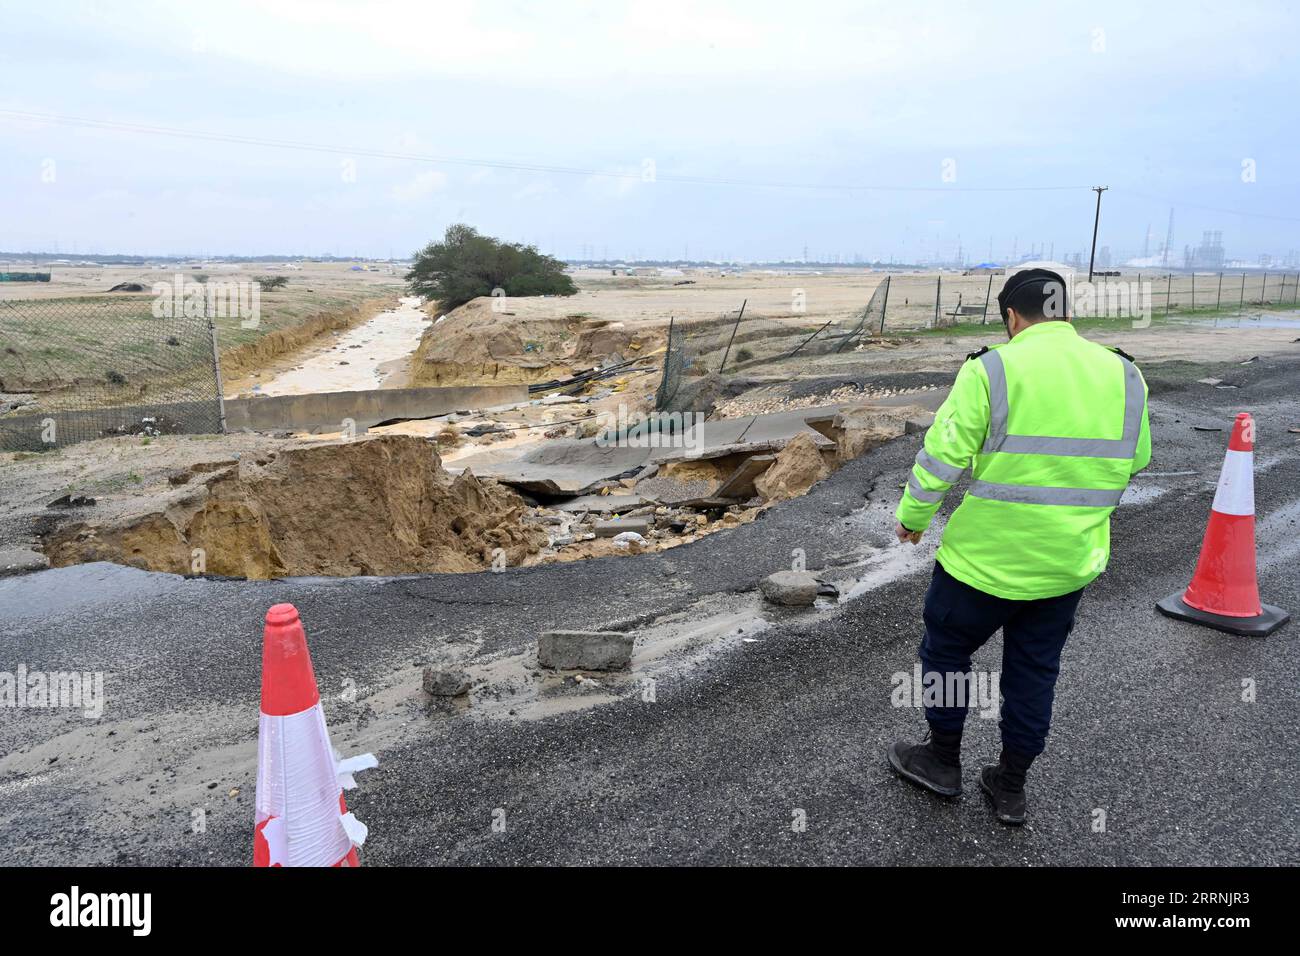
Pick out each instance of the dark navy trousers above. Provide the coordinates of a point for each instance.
(960, 618)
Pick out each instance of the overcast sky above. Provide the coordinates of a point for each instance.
(784, 110)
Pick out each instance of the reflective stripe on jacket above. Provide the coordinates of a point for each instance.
(1052, 427)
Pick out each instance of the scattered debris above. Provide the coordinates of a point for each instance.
(629, 539)
(71, 501)
(585, 650)
(150, 426)
(1207, 428)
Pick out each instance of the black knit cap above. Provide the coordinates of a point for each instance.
(1031, 288)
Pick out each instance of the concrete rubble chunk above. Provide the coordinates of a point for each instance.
(790, 588)
(585, 650)
(445, 682)
(919, 422)
(610, 529)
(864, 427)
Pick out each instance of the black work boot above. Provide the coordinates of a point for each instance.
(934, 763)
(1005, 786)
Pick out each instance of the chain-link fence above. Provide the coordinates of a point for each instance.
(75, 369)
(701, 353)
(1226, 292)
(937, 301)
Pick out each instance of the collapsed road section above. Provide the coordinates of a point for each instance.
(266, 507)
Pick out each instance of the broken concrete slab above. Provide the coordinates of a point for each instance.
(21, 561)
(790, 588)
(748, 434)
(741, 483)
(609, 529)
(327, 411)
(777, 428)
(602, 504)
(674, 491)
(563, 466)
(585, 650)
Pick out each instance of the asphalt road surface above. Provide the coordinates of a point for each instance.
(764, 738)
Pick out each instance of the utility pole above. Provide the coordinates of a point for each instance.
(1095, 223)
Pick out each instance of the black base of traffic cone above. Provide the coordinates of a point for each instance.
(1258, 626)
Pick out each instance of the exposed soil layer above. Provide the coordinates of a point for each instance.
(476, 345)
(373, 506)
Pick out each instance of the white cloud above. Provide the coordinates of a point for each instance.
(422, 186)
(535, 190)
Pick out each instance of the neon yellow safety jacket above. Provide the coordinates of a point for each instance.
(1052, 427)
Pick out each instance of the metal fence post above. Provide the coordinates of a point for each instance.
(1241, 302)
(938, 289)
(733, 336)
(1169, 291)
(216, 371)
(987, 295)
(662, 398)
(1218, 298)
(1263, 289)
(883, 306)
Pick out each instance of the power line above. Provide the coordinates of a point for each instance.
(495, 164)
(1193, 205)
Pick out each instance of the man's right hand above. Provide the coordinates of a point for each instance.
(904, 535)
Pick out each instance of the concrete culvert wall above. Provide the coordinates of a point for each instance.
(374, 506)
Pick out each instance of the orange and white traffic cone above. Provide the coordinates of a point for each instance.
(302, 819)
(1224, 593)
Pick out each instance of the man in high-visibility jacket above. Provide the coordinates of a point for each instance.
(1052, 427)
